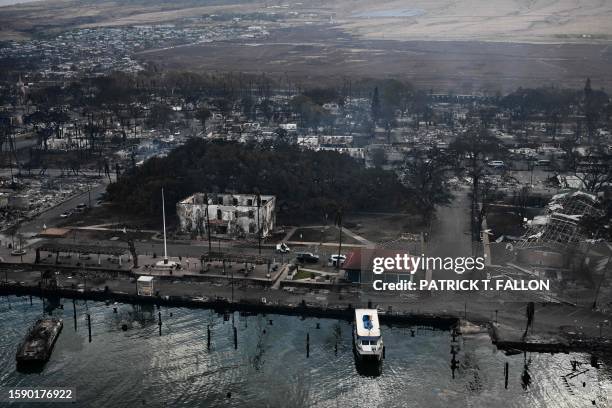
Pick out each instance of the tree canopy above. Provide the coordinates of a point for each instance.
(305, 182)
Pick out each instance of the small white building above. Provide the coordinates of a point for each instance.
(289, 127)
(355, 152)
(144, 286)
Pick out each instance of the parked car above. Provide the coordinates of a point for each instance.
(282, 248)
(497, 164)
(543, 163)
(65, 214)
(80, 207)
(307, 257)
(333, 259)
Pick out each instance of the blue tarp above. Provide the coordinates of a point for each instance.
(367, 323)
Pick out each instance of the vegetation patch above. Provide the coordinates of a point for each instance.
(305, 182)
(302, 274)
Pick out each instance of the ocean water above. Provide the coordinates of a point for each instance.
(138, 367)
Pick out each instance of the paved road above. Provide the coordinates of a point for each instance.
(6, 172)
(197, 249)
(51, 217)
(450, 232)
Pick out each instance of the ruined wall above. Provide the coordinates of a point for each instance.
(234, 215)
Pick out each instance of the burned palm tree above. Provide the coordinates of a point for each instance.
(525, 376)
(132, 248)
(207, 223)
(258, 223)
(530, 313)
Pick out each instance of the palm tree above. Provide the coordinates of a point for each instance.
(530, 312)
(203, 114)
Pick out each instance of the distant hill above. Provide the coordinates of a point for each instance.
(465, 46)
(483, 20)
(12, 2)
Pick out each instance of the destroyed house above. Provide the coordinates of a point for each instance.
(558, 226)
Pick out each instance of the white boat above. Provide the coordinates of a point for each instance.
(367, 339)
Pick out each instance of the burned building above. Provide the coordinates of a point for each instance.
(553, 238)
(232, 215)
(558, 226)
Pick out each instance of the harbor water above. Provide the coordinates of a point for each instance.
(129, 364)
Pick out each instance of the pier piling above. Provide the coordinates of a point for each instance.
(74, 312)
(208, 337)
(30, 300)
(454, 362)
(235, 338)
(159, 322)
(506, 369)
(307, 345)
(89, 326)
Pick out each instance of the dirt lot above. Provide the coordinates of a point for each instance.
(382, 227)
(325, 54)
(111, 236)
(109, 216)
(323, 234)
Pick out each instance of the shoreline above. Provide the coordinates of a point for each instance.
(442, 322)
(449, 321)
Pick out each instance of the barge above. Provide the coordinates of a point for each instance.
(36, 348)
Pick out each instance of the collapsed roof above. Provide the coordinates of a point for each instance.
(558, 226)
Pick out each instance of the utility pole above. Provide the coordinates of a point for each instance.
(258, 224)
(339, 224)
(232, 280)
(208, 225)
(164, 220)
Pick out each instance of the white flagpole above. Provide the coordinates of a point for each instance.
(164, 219)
